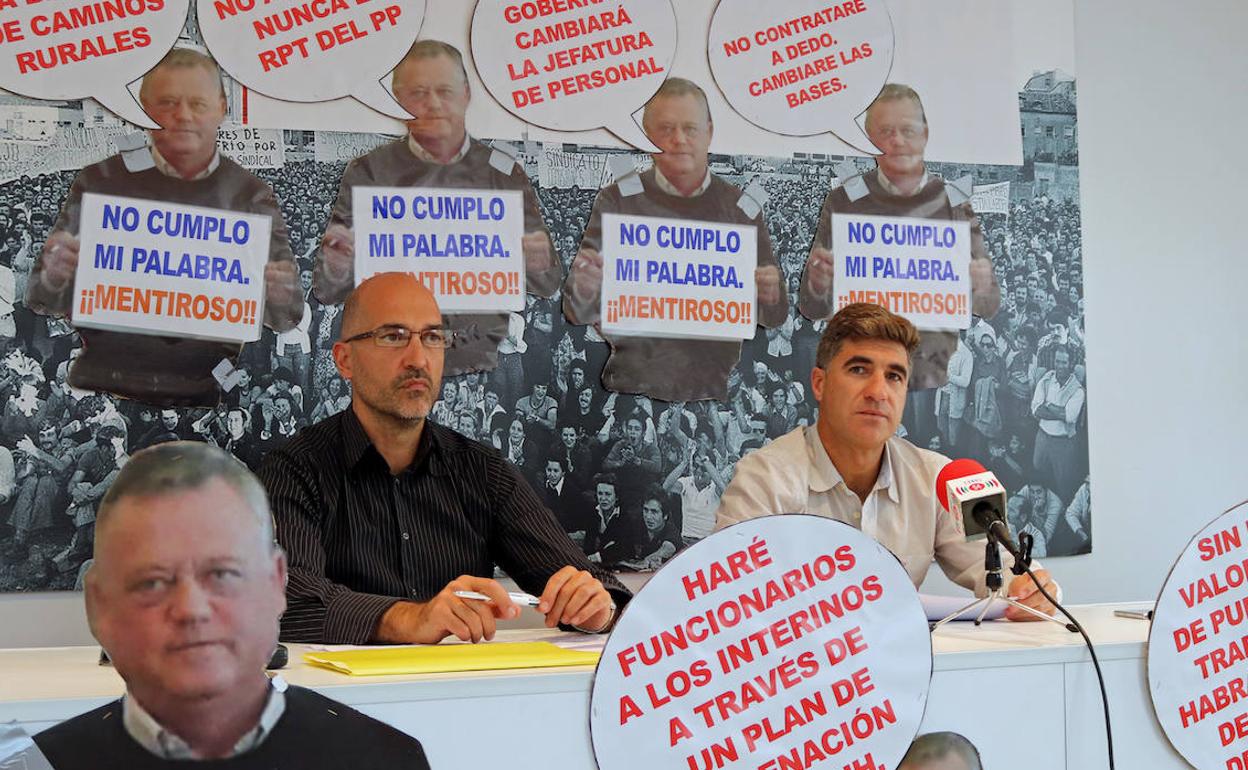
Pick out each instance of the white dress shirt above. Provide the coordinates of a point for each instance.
(794, 474)
(161, 742)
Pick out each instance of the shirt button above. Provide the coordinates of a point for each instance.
(406, 536)
(414, 592)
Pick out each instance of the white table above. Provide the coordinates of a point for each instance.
(1025, 694)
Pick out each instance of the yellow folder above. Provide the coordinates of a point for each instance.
(444, 658)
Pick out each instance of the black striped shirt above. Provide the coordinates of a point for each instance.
(360, 538)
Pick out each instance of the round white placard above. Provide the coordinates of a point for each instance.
(780, 640)
(1198, 647)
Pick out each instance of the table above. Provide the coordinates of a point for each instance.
(1024, 693)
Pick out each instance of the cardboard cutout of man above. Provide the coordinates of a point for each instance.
(184, 594)
(900, 186)
(680, 186)
(432, 84)
(185, 95)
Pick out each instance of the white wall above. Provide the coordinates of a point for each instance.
(1167, 388)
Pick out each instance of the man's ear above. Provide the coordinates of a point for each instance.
(91, 594)
(342, 359)
(816, 382)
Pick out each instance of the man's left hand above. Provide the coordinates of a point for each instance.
(768, 279)
(539, 255)
(576, 598)
(1023, 589)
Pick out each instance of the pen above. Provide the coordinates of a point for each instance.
(518, 598)
(1134, 614)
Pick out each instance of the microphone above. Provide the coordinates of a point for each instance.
(976, 500)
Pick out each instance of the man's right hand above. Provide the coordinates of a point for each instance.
(446, 614)
(338, 253)
(820, 268)
(586, 279)
(59, 261)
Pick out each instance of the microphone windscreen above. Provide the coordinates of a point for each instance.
(956, 469)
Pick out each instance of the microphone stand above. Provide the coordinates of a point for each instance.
(996, 590)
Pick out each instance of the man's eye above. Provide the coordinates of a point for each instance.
(224, 575)
(151, 585)
(393, 336)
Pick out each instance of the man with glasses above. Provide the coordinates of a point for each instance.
(680, 186)
(431, 83)
(900, 186)
(386, 515)
(184, 94)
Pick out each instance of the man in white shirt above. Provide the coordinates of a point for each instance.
(851, 467)
(1057, 403)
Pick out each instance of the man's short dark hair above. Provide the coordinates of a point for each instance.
(865, 321)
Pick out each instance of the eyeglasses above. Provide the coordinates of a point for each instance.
(399, 336)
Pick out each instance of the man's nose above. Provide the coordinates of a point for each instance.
(189, 601)
(416, 355)
(877, 387)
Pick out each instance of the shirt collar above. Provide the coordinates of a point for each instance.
(825, 476)
(670, 189)
(420, 152)
(158, 740)
(892, 189)
(164, 167)
(356, 443)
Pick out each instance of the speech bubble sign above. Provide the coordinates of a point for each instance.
(777, 642)
(802, 67)
(575, 66)
(72, 50)
(313, 50)
(1198, 643)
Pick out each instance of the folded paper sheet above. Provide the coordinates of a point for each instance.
(445, 658)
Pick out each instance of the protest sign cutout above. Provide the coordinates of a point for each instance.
(252, 147)
(167, 269)
(575, 66)
(917, 268)
(783, 641)
(73, 49)
(679, 278)
(464, 245)
(802, 67)
(313, 50)
(1198, 647)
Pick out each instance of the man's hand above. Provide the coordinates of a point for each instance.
(1023, 589)
(767, 278)
(576, 598)
(60, 261)
(586, 280)
(539, 254)
(820, 268)
(981, 272)
(281, 284)
(338, 253)
(446, 614)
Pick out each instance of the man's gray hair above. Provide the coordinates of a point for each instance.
(179, 466)
(934, 746)
(892, 92)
